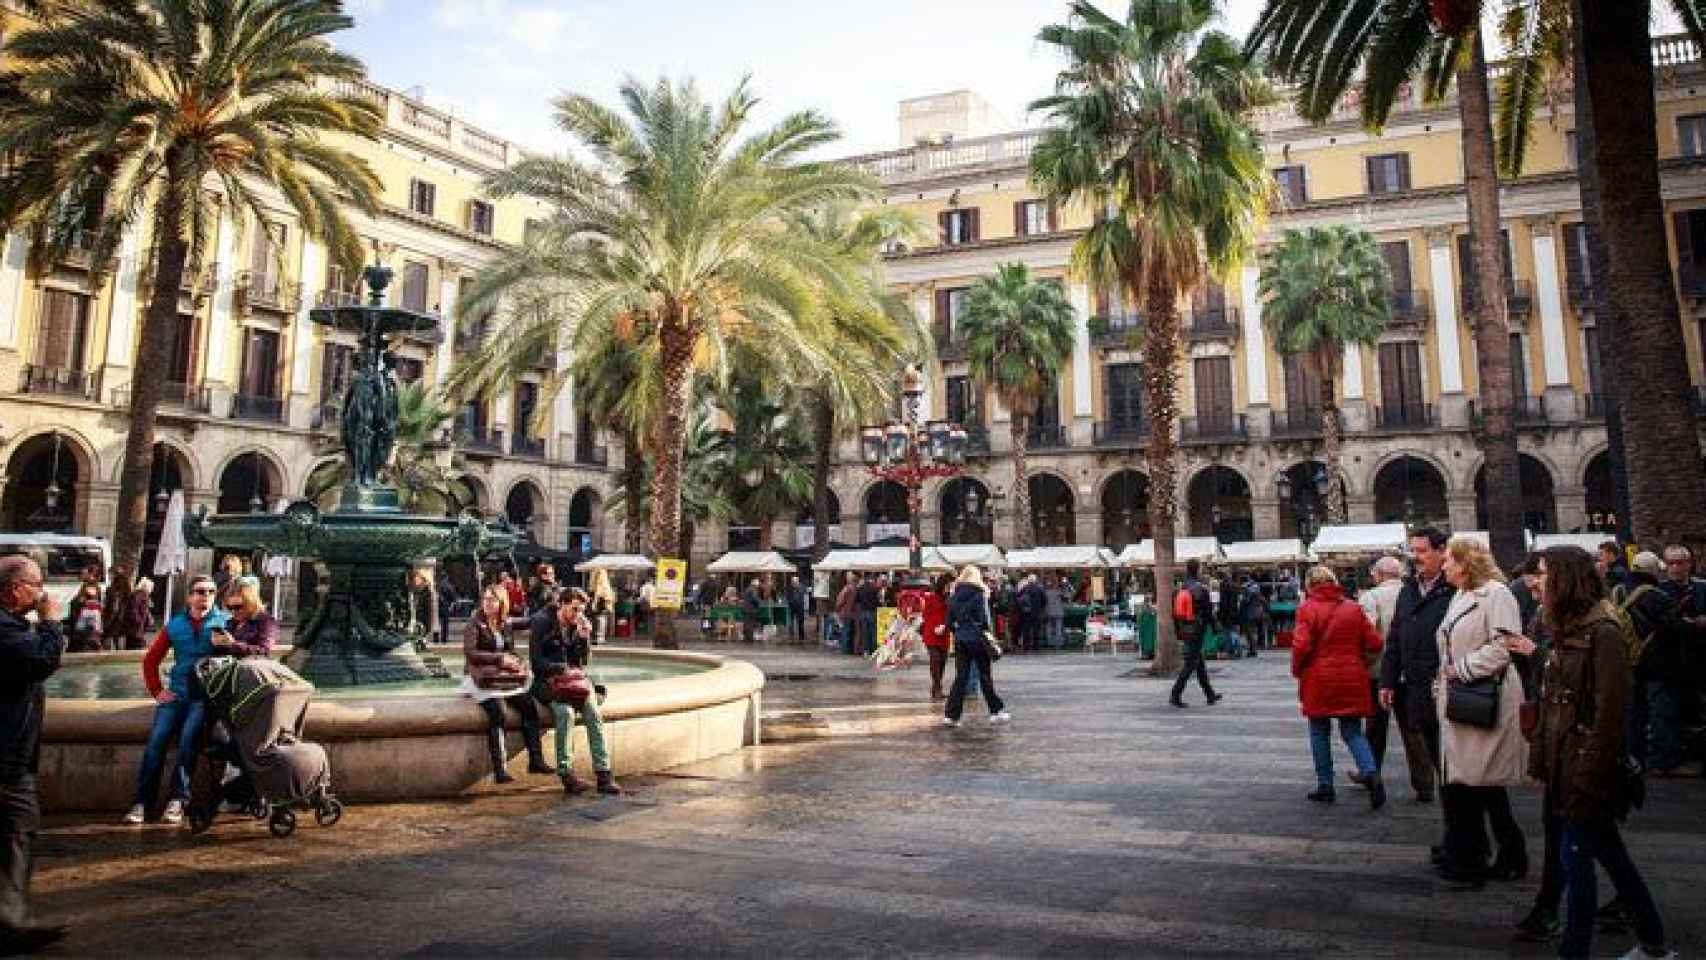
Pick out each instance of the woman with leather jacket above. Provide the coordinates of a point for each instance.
(495, 674)
(1578, 751)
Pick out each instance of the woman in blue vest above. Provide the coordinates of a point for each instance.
(180, 705)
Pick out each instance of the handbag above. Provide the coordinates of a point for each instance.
(1475, 703)
(570, 686)
(994, 647)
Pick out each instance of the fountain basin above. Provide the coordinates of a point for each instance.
(390, 745)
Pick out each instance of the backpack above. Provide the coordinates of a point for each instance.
(1634, 643)
(1184, 606)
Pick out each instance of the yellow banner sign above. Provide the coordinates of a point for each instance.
(671, 584)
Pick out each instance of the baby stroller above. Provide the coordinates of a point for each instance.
(257, 706)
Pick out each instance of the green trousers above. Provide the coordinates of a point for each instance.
(563, 714)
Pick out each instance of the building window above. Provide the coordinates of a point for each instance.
(949, 304)
(1388, 173)
(958, 226)
(530, 229)
(1691, 135)
(1690, 229)
(480, 215)
(961, 402)
(1033, 218)
(260, 364)
(1401, 380)
(1578, 269)
(266, 255)
(1213, 377)
(1590, 357)
(1123, 384)
(336, 362)
(1302, 383)
(423, 196)
(181, 355)
(409, 369)
(1572, 157)
(1396, 253)
(415, 286)
(1047, 413)
(63, 328)
(1293, 184)
(1519, 369)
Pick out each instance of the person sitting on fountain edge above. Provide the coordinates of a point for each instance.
(560, 638)
(495, 675)
(180, 704)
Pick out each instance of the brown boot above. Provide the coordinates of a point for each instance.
(607, 783)
(571, 784)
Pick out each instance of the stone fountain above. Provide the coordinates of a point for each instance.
(359, 632)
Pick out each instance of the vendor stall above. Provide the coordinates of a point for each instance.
(755, 562)
(1587, 541)
(617, 562)
(1288, 552)
(1061, 558)
(1142, 553)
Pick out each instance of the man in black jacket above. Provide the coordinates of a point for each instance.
(29, 654)
(1410, 661)
(1192, 633)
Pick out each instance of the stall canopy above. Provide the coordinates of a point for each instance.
(751, 561)
(1142, 553)
(616, 561)
(1060, 558)
(1587, 541)
(984, 555)
(1481, 537)
(1251, 553)
(1357, 538)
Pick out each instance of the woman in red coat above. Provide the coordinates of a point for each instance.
(935, 630)
(1331, 649)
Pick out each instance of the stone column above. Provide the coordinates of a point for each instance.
(1360, 508)
(1572, 507)
(122, 320)
(223, 329)
(444, 355)
(1265, 517)
(1258, 410)
(1453, 405)
(1560, 396)
(1462, 508)
(1354, 408)
(301, 400)
(1083, 411)
(1087, 526)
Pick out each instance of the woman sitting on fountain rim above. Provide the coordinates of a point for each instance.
(495, 675)
(192, 635)
(253, 630)
(560, 638)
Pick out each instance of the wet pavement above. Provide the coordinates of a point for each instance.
(1100, 822)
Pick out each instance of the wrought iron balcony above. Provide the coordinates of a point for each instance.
(257, 409)
(1215, 427)
(977, 440)
(1525, 412)
(1409, 310)
(1301, 422)
(1051, 436)
(1581, 292)
(187, 397)
(477, 438)
(1405, 416)
(1122, 432)
(268, 292)
(1116, 329)
(533, 447)
(57, 381)
(949, 347)
(592, 455)
(1217, 323)
(1518, 300)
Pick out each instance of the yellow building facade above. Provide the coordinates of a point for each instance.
(1248, 414)
(254, 385)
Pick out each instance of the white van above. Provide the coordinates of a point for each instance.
(62, 558)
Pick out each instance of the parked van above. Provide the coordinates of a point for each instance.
(62, 558)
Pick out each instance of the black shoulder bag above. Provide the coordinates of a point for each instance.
(1474, 703)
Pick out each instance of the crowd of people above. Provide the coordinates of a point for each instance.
(1579, 673)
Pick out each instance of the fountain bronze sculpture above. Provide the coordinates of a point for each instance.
(359, 632)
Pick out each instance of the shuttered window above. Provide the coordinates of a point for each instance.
(480, 217)
(1048, 406)
(1691, 135)
(1401, 376)
(260, 363)
(958, 226)
(1396, 253)
(1213, 391)
(1123, 385)
(1388, 173)
(1590, 357)
(961, 402)
(415, 286)
(336, 361)
(1578, 269)
(423, 197)
(182, 355)
(1466, 263)
(1033, 218)
(1302, 383)
(1519, 368)
(1293, 184)
(64, 327)
(1690, 229)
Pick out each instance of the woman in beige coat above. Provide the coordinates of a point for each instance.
(1478, 763)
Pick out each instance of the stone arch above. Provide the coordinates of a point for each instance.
(188, 464)
(480, 491)
(586, 520)
(1599, 506)
(247, 474)
(1217, 499)
(525, 505)
(1539, 494)
(1451, 481)
(1412, 489)
(883, 502)
(1590, 455)
(1053, 508)
(1305, 502)
(1124, 498)
(965, 511)
(35, 476)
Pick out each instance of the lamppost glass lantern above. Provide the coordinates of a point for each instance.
(871, 445)
(973, 503)
(1282, 483)
(896, 434)
(1322, 484)
(938, 432)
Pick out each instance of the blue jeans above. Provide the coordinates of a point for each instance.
(182, 719)
(1582, 844)
(1321, 745)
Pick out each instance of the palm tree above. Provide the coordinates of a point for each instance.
(766, 475)
(1325, 46)
(1018, 333)
(1151, 124)
(122, 108)
(704, 469)
(612, 386)
(678, 233)
(425, 484)
(1325, 288)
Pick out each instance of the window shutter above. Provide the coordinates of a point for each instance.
(192, 363)
(973, 234)
(1372, 166)
(1684, 251)
(942, 310)
(942, 225)
(1403, 171)
(1519, 369)
(1053, 217)
(1574, 275)
(1019, 219)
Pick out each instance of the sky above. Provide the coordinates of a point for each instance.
(499, 63)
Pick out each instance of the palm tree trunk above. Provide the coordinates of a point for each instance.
(823, 436)
(153, 358)
(633, 481)
(1609, 385)
(1662, 447)
(1161, 393)
(1024, 523)
(1502, 480)
(669, 446)
(1331, 439)
(766, 536)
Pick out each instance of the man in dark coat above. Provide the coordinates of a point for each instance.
(1676, 701)
(29, 654)
(1032, 600)
(1193, 631)
(1410, 661)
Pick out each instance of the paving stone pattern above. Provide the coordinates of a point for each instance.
(1101, 822)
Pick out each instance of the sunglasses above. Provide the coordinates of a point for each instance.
(202, 591)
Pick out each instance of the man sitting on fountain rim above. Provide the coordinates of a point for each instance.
(559, 638)
(180, 704)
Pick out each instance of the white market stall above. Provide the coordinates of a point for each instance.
(984, 556)
(751, 561)
(1350, 540)
(614, 562)
(1142, 553)
(1061, 558)
(1587, 541)
(1265, 553)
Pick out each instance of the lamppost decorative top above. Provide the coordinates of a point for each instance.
(909, 453)
(1304, 507)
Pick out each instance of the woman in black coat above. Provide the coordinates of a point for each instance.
(968, 621)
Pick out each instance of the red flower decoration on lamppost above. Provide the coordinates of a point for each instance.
(909, 453)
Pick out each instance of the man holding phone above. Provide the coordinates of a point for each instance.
(29, 654)
(1410, 661)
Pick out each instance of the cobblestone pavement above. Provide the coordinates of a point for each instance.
(1100, 822)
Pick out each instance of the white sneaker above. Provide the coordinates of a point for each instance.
(1002, 717)
(136, 815)
(1640, 953)
(950, 722)
(174, 812)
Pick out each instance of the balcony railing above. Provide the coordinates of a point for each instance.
(1580, 291)
(1409, 309)
(1302, 422)
(188, 397)
(257, 409)
(1405, 416)
(479, 438)
(1050, 436)
(332, 299)
(1227, 426)
(1123, 432)
(57, 381)
(268, 292)
(1518, 299)
(592, 455)
(1218, 323)
(1116, 329)
(527, 447)
(326, 417)
(977, 440)
(1525, 412)
(949, 347)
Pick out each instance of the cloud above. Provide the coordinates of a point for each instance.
(460, 14)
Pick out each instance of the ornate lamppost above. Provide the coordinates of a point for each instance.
(909, 453)
(1303, 507)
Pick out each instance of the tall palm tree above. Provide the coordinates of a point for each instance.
(1151, 125)
(1018, 334)
(1326, 46)
(677, 232)
(766, 475)
(1325, 288)
(612, 383)
(126, 111)
(704, 468)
